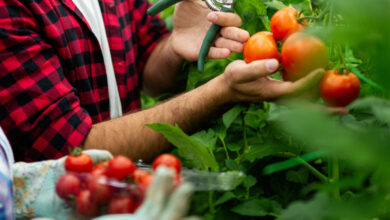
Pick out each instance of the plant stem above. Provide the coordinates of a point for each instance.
(315, 172)
(244, 134)
(225, 148)
(211, 203)
(335, 176)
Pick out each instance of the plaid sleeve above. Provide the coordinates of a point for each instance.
(39, 109)
(150, 30)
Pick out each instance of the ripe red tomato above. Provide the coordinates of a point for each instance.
(100, 168)
(145, 181)
(99, 188)
(120, 167)
(84, 204)
(284, 22)
(121, 204)
(138, 174)
(301, 54)
(68, 186)
(78, 162)
(167, 160)
(339, 90)
(260, 46)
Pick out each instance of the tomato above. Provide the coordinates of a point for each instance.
(146, 180)
(339, 90)
(121, 204)
(284, 22)
(84, 204)
(301, 54)
(260, 46)
(138, 174)
(68, 186)
(100, 190)
(78, 162)
(167, 160)
(100, 168)
(120, 167)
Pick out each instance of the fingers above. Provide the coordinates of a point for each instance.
(224, 19)
(241, 72)
(233, 46)
(218, 53)
(235, 33)
(307, 82)
(179, 202)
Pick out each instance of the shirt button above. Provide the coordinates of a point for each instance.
(112, 5)
(119, 63)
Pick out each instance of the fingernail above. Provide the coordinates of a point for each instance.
(213, 17)
(272, 65)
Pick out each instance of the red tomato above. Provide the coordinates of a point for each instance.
(146, 180)
(301, 54)
(100, 168)
(138, 174)
(121, 204)
(284, 22)
(68, 186)
(339, 90)
(260, 46)
(100, 190)
(167, 160)
(120, 167)
(78, 162)
(84, 204)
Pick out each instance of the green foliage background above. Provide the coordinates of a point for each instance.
(300, 163)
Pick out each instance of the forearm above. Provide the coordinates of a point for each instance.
(161, 69)
(128, 135)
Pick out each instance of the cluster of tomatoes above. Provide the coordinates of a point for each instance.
(301, 53)
(114, 187)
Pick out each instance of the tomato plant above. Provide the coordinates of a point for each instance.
(68, 186)
(84, 204)
(78, 162)
(339, 89)
(260, 46)
(120, 167)
(121, 204)
(167, 160)
(284, 22)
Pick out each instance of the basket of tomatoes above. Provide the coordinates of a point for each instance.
(116, 186)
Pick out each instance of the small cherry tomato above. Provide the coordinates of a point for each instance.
(100, 168)
(138, 174)
(167, 160)
(339, 90)
(120, 167)
(68, 186)
(284, 22)
(146, 180)
(84, 204)
(99, 188)
(78, 162)
(301, 54)
(121, 204)
(260, 46)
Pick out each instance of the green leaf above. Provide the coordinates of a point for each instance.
(233, 165)
(227, 196)
(204, 138)
(300, 176)
(220, 131)
(293, 162)
(254, 117)
(231, 115)
(277, 5)
(250, 181)
(194, 153)
(233, 147)
(258, 152)
(258, 207)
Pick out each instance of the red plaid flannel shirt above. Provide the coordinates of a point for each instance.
(53, 84)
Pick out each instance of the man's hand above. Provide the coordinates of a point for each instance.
(192, 19)
(250, 82)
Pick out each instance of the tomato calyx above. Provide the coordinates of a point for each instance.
(77, 151)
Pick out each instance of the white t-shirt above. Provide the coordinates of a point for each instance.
(92, 13)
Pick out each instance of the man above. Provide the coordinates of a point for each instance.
(56, 90)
